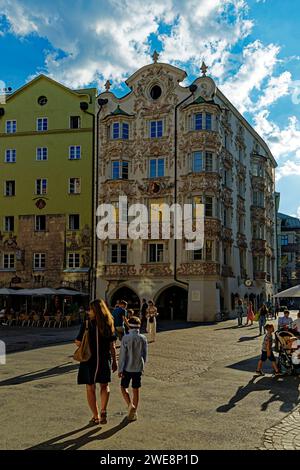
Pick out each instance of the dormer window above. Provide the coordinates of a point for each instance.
(120, 130)
(202, 121)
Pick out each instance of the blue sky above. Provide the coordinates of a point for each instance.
(251, 47)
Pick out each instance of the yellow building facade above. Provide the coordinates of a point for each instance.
(46, 190)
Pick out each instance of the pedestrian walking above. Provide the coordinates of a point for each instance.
(263, 313)
(250, 313)
(296, 323)
(151, 315)
(119, 315)
(102, 352)
(133, 355)
(267, 352)
(240, 312)
(143, 315)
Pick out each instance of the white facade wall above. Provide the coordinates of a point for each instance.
(207, 286)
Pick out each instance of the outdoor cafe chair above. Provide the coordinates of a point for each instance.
(26, 320)
(35, 320)
(47, 321)
(58, 320)
(10, 319)
(67, 320)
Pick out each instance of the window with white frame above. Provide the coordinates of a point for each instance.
(74, 185)
(74, 122)
(227, 179)
(39, 261)
(120, 130)
(11, 126)
(9, 261)
(208, 121)
(197, 255)
(41, 186)
(75, 152)
(73, 260)
(241, 154)
(10, 188)
(119, 170)
(259, 263)
(42, 124)
(156, 129)
(118, 253)
(202, 121)
(120, 211)
(41, 154)
(208, 202)
(258, 231)
(226, 217)
(209, 245)
(284, 240)
(156, 252)
(259, 198)
(241, 187)
(40, 223)
(74, 222)
(9, 223)
(241, 223)
(156, 167)
(257, 169)
(202, 161)
(10, 156)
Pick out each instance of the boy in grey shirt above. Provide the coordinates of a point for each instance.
(133, 355)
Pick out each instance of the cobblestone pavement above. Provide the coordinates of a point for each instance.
(284, 435)
(199, 392)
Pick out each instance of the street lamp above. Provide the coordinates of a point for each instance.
(192, 88)
(84, 106)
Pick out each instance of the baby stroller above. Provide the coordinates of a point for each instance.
(289, 352)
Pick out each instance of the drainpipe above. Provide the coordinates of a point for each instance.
(192, 89)
(95, 193)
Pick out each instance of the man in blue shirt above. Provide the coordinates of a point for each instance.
(119, 315)
(286, 321)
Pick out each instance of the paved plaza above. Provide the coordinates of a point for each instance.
(198, 392)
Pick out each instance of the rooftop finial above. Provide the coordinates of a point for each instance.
(155, 56)
(203, 68)
(107, 85)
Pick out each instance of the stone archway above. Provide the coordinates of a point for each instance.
(125, 293)
(172, 303)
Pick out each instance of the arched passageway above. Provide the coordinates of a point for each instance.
(125, 293)
(172, 303)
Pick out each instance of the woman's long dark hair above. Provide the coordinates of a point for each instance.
(104, 318)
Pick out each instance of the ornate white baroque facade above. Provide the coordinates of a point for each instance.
(216, 158)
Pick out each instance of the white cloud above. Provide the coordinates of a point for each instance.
(258, 63)
(283, 142)
(110, 39)
(289, 168)
(276, 88)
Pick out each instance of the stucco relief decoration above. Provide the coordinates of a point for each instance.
(40, 203)
(155, 270)
(196, 269)
(9, 243)
(72, 241)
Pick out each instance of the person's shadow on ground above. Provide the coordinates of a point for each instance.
(65, 368)
(77, 442)
(285, 391)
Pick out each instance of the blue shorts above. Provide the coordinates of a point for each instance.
(136, 378)
(264, 356)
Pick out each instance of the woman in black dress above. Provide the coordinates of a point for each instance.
(103, 359)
